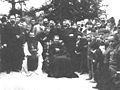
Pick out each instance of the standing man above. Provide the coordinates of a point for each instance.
(3, 24)
(90, 59)
(35, 48)
(13, 53)
(69, 36)
(0, 43)
(82, 46)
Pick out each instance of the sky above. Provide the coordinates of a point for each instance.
(5, 6)
(112, 9)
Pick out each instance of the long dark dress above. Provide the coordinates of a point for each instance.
(13, 54)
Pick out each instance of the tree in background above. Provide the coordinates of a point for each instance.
(31, 12)
(59, 10)
(13, 10)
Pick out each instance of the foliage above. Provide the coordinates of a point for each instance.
(59, 10)
(72, 9)
(31, 12)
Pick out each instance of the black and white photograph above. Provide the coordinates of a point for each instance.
(59, 45)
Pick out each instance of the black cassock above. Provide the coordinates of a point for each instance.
(69, 37)
(60, 62)
(82, 59)
(12, 54)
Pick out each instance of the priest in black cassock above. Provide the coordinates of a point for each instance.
(12, 53)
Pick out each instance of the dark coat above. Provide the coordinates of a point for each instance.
(13, 54)
(70, 41)
(82, 45)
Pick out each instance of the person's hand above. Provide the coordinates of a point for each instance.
(4, 45)
(57, 49)
(77, 52)
(17, 36)
(118, 72)
(93, 61)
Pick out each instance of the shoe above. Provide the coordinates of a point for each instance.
(96, 87)
(8, 71)
(50, 75)
(89, 78)
(81, 73)
(29, 73)
(72, 75)
(37, 72)
(93, 81)
(15, 70)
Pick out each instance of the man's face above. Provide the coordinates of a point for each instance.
(102, 22)
(78, 36)
(78, 25)
(59, 26)
(66, 25)
(52, 23)
(12, 19)
(102, 48)
(56, 38)
(45, 21)
(33, 22)
(17, 19)
(89, 26)
(106, 41)
(47, 30)
(40, 22)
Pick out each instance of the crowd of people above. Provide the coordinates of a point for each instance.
(86, 46)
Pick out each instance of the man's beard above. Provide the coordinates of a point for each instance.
(12, 22)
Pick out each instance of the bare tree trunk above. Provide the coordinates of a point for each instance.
(13, 4)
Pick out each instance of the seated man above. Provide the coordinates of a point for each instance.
(60, 61)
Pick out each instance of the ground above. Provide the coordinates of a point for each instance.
(19, 81)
